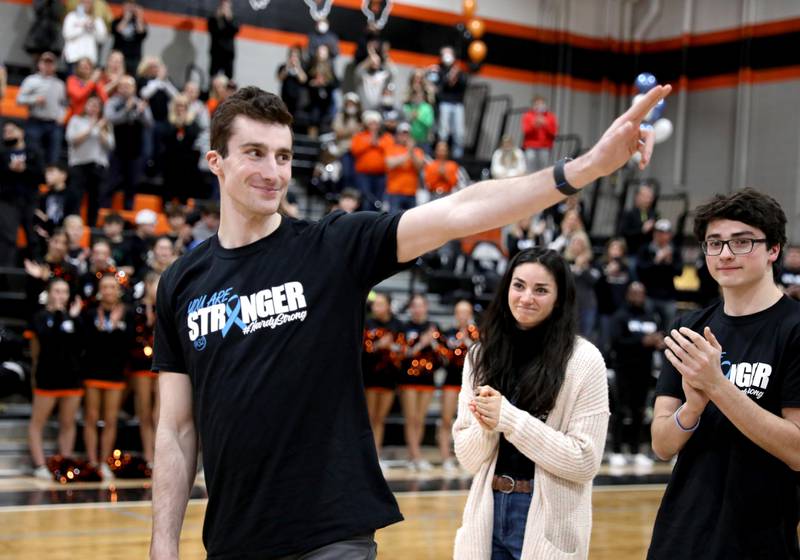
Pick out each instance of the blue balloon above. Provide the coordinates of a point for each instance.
(645, 82)
(657, 111)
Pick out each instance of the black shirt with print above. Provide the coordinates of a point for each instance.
(270, 335)
(727, 498)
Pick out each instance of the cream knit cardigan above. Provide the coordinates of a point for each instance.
(567, 451)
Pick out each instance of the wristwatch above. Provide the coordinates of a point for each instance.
(561, 180)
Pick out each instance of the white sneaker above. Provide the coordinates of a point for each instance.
(617, 460)
(43, 473)
(450, 465)
(106, 472)
(642, 460)
(421, 465)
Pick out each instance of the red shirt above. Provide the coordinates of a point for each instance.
(539, 135)
(438, 180)
(79, 92)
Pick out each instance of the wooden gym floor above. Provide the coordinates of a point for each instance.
(39, 520)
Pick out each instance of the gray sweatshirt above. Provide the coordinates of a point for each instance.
(94, 149)
(54, 92)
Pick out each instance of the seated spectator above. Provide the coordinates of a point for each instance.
(44, 34)
(44, 94)
(176, 218)
(83, 31)
(82, 85)
(77, 255)
(570, 225)
(112, 73)
(404, 161)
(528, 233)
(322, 82)
(180, 138)
(129, 31)
(441, 174)
(790, 275)
(657, 265)
(369, 149)
(293, 79)
(99, 263)
(222, 29)
(208, 224)
(132, 122)
(113, 228)
(221, 88)
(579, 255)
(539, 127)
(54, 264)
(508, 160)
(347, 124)
(419, 113)
(373, 74)
(349, 201)
(56, 202)
(90, 139)
(636, 225)
(327, 174)
(21, 173)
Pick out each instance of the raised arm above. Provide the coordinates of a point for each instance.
(491, 204)
(175, 464)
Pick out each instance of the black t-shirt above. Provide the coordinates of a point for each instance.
(628, 327)
(60, 348)
(108, 344)
(271, 336)
(727, 498)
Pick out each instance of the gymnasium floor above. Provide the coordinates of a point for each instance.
(40, 520)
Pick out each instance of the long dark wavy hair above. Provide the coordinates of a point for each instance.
(540, 380)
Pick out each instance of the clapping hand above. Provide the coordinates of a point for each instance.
(485, 407)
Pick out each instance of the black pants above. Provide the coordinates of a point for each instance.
(13, 214)
(88, 178)
(633, 384)
(362, 547)
(221, 62)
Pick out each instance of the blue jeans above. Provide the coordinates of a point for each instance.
(510, 516)
(46, 137)
(451, 122)
(371, 188)
(398, 202)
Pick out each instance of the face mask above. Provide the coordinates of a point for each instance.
(448, 59)
(387, 101)
(9, 142)
(322, 28)
(350, 110)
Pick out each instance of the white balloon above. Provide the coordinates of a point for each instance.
(649, 115)
(663, 129)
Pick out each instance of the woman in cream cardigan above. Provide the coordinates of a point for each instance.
(532, 420)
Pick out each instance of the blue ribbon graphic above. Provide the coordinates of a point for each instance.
(233, 316)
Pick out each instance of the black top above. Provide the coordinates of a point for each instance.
(223, 34)
(630, 227)
(60, 348)
(129, 41)
(727, 498)
(629, 326)
(271, 336)
(659, 278)
(20, 186)
(108, 344)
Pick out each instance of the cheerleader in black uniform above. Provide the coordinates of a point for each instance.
(380, 363)
(145, 382)
(455, 344)
(109, 328)
(416, 376)
(56, 351)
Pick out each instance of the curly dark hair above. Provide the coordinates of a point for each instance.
(541, 380)
(750, 207)
(251, 102)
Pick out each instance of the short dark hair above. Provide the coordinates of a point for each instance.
(750, 207)
(251, 102)
(114, 218)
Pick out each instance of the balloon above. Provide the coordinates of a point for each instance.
(656, 112)
(645, 82)
(663, 130)
(469, 7)
(477, 51)
(476, 27)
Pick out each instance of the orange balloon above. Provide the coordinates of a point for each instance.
(477, 51)
(476, 27)
(469, 7)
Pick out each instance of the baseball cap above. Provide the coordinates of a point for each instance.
(403, 127)
(146, 217)
(663, 225)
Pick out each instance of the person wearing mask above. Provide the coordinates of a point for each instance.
(293, 79)
(532, 419)
(369, 148)
(222, 27)
(21, 173)
(419, 113)
(452, 84)
(441, 174)
(84, 31)
(45, 96)
(404, 161)
(373, 74)
(539, 129)
(129, 32)
(508, 160)
(56, 348)
(323, 35)
(82, 85)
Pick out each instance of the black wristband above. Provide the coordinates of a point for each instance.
(562, 184)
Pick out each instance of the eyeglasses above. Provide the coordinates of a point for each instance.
(737, 246)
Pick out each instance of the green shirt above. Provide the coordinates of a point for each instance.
(422, 124)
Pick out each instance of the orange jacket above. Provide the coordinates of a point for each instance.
(403, 179)
(78, 92)
(439, 182)
(370, 159)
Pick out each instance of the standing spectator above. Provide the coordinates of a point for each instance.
(612, 286)
(113, 229)
(100, 8)
(321, 84)
(221, 88)
(657, 265)
(293, 79)
(84, 31)
(418, 83)
(570, 225)
(44, 34)
(157, 89)
(373, 74)
(508, 160)
(141, 242)
(419, 113)
(441, 174)
(579, 255)
(636, 225)
(132, 120)
(404, 161)
(45, 96)
(636, 333)
(323, 35)
(452, 84)
(180, 167)
(113, 73)
(369, 149)
(82, 85)
(21, 173)
(57, 202)
(326, 177)
(129, 31)
(790, 275)
(56, 348)
(222, 27)
(539, 127)
(347, 124)
(90, 140)
(528, 233)
(109, 330)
